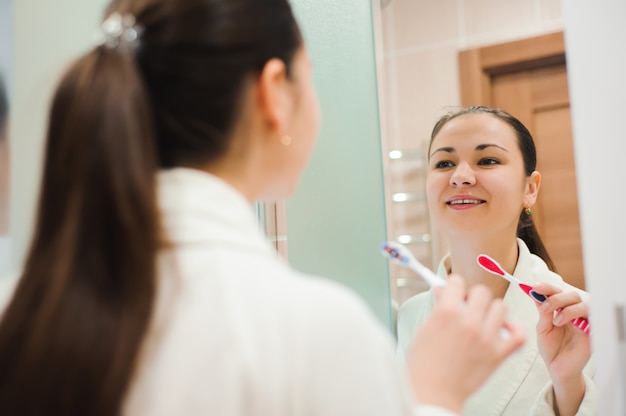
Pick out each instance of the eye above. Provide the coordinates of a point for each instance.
(489, 161)
(443, 164)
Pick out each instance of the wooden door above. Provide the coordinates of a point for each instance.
(528, 79)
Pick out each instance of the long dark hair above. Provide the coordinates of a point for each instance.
(526, 229)
(72, 334)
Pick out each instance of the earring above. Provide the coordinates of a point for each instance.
(285, 140)
(528, 211)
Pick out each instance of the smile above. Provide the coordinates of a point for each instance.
(465, 201)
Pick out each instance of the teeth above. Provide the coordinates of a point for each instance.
(465, 201)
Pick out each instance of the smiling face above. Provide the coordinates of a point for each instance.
(476, 181)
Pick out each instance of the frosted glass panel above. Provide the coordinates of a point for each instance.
(336, 219)
(6, 67)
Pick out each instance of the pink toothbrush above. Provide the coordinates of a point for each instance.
(492, 266)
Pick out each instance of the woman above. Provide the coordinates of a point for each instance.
(148, 289)
(481, 186)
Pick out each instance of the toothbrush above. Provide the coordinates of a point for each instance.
(403, 256)
(492, 266)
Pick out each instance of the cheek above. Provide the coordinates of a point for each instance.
(506, 187)
(308, 118)
(307, 127)
(311, 123)
(315, 112)
(435, 185)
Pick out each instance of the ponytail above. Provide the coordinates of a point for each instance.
(71, 336)
(527, 231)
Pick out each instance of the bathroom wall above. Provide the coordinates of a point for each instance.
(421, 41)
(6, 39)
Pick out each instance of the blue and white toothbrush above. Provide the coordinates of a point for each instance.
(401, 255)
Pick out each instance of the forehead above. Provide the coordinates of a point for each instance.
(475, 128)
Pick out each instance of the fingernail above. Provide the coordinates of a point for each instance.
(558, 319)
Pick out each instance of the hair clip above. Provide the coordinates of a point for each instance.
(121, 33)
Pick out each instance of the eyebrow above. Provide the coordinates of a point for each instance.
(478, 148)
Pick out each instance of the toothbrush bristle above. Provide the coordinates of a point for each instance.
(394, 253)
(402, 255)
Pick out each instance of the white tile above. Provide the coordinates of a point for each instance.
(497, 16)
(426, 83)
(550, 10)
(420, 22)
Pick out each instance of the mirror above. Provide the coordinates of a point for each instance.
(439, 56)
(425, 75)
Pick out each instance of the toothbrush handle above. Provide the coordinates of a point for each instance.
(582, 324)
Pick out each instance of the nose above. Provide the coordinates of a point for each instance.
(463, 174)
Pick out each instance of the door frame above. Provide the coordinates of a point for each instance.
(477, 66)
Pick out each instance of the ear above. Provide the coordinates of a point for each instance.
(533, 183)
(272, 97)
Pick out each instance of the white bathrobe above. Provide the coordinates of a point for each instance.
(237, 332)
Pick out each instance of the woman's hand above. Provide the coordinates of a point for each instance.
(460, 345)
(564, 347)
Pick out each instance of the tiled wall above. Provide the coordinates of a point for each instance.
(6, 39)
(421, 40)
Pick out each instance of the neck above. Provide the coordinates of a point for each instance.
(242, 170)
(463, 254)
